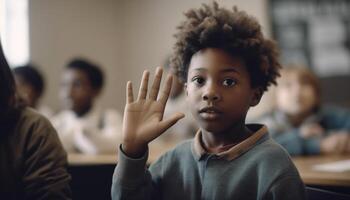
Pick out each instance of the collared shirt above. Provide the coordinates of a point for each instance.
(96, 132)
(234, 151)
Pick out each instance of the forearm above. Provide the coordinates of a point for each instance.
(312, 145)
(291, 141)
(131, 179)
(297, 145)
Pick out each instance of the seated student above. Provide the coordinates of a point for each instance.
(187, 127)
(33, 163)
(226, 64)
(30, 86)
(84, 127)
(299, 122)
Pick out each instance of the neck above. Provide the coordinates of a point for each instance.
(84, 111)
(215, 142)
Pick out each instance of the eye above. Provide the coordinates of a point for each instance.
(77, 83)
(198, 80)
(229, 82)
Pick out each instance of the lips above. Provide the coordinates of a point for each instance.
(210, 113)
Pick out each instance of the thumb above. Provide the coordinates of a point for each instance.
(165, 124)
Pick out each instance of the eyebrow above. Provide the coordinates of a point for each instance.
(229, 69)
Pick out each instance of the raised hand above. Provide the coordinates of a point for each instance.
(311, 130)
(143, 119)
(337, 142)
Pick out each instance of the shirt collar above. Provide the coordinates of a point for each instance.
(259, 132)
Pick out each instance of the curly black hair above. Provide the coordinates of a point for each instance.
(93, 71)
(236, 33)
(32, 76)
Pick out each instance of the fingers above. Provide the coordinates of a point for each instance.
(166, 90)
(165, 124)
(348, 146)
(335, 144)
(129, 93)
(342, 143)
(156, 84)
(143, 86)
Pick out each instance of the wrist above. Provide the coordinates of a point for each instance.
(134, 150)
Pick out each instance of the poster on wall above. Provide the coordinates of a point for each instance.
(313, 32)
(316, 34)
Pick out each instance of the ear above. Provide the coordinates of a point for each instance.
(185, 89)
(96, 92)
(257, 94)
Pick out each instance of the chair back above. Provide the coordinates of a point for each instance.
(320, 194)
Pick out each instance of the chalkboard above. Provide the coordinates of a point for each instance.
(316, 33)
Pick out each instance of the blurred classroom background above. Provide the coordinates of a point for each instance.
(127, 36)
(124, 37)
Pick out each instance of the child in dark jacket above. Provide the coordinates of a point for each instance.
(33, 163)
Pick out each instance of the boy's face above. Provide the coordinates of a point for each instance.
(218, 90)
(295, 96)
(27, 91)
(77, 92)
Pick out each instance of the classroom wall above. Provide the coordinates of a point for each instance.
(124, 36)
(60, 30)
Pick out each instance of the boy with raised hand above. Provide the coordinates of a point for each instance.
(226, 65)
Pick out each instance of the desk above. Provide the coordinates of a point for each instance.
(303, 164)
(92, 174)
(76, 159)
(314, 177)
(155, 149)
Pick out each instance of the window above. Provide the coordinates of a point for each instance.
(15, 31)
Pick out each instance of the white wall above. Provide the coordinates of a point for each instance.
(124, 36)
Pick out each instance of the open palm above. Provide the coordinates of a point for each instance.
(143, 118)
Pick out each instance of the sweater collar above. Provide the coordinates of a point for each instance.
(259, 132)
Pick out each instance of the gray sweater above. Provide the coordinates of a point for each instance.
(265, 171)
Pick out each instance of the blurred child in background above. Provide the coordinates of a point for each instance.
(300, 123)
(83, 127)
(31, 86)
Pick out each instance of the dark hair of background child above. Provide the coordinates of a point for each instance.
(32, 76)
(93, 71)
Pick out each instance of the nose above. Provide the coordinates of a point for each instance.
(296, 91)
(67, 92)
(211, 93)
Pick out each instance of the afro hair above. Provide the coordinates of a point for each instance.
(233, 31)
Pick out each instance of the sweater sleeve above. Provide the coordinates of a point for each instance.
(287, 188)
(45, 173)
(297, 145)
(132, 180)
